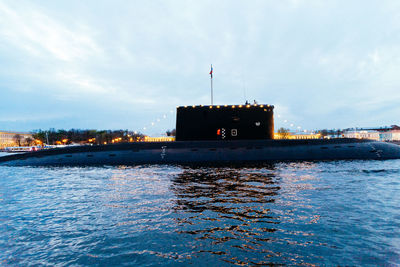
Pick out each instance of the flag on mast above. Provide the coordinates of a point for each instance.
(211, 71)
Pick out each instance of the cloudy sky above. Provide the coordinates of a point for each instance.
(128, 64)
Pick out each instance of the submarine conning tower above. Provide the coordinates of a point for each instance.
(225, 122)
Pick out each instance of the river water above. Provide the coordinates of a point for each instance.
(308, 213)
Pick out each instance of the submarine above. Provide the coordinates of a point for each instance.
(213, 134)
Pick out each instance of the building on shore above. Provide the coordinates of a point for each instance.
(159, 139)
(391, 133)
(363, 134)
(10, 139)
(297, 136)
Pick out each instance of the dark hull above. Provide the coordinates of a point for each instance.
(214, 152)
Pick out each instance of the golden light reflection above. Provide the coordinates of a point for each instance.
(218, 195)
(240, 210)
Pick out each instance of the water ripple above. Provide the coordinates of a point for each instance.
(309, 213)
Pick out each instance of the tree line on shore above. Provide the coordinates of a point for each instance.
(53, 137)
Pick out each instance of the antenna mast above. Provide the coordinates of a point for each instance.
(244, 84)
(211, 76)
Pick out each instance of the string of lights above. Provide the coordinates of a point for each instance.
(155, 122)
(292, 126)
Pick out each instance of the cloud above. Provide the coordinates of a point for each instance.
(96, 61)
(29, 29)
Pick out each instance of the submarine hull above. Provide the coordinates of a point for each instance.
(214, 152)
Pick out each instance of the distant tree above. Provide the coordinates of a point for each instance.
(323, 132)
(29, 141)
(100, 137)
(17, 139)
(171, 133)
(40, 135)
(283, 132)
(339, 132)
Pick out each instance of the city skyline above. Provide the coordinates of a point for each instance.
(126, 65)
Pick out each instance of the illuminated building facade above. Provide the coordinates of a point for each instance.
(364, 134)
(158, 139)
(10, 139)
(379, 134)
(297, 136)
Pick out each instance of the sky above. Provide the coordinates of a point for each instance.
(129, 64)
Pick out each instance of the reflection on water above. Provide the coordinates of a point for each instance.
(231, 211)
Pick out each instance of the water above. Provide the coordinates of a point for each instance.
(326, 213)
